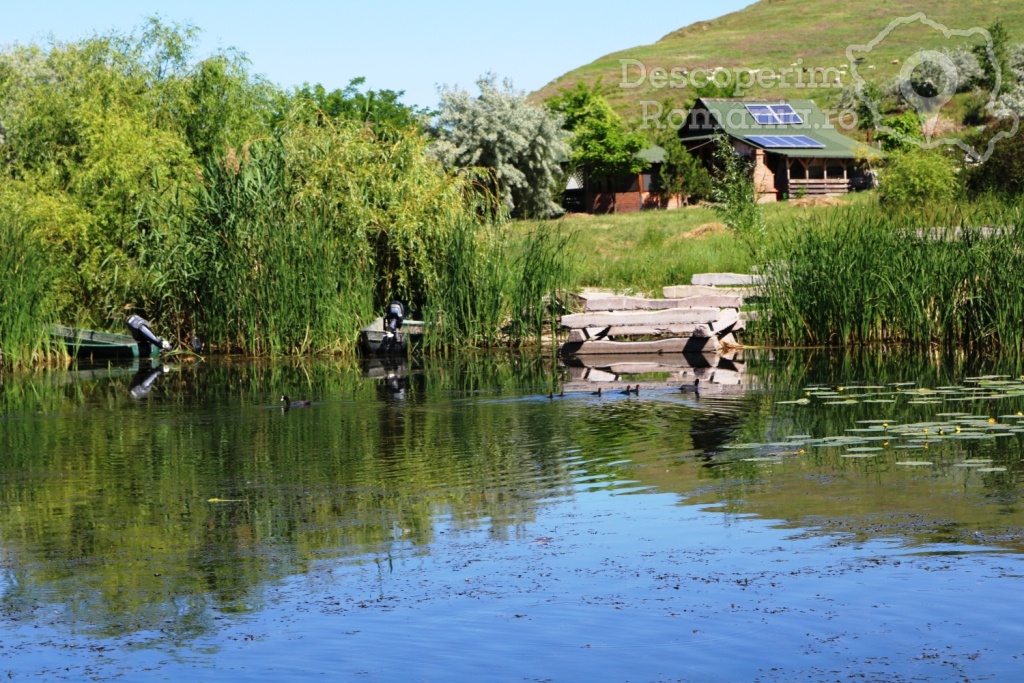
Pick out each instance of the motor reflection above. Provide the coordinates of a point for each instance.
(145, 378)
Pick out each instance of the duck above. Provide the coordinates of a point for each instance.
(636, 389)
(303, 403)
(596, 393)
(627, 391)
(691, 388)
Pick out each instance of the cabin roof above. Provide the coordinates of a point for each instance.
(712, 116)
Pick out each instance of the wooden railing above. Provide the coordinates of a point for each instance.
(799, 187)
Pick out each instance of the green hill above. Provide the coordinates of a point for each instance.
(802, 42)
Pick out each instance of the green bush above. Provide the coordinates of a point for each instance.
(916, 177)
(1003, 172)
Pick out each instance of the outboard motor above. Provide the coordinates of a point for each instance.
(144, 336)
(393, 318)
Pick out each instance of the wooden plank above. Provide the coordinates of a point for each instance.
(599, 375)
(668, 361)
(689, 330)
(719, 299)
(687, 291)
(725, 279)
(726, 321)
(721, 376)
(613, 390)
(639, 368)
(666, 317)
(675, 345)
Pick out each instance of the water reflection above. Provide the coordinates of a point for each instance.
(152, 516)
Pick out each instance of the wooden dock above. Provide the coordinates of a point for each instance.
(719, 374)
(700, 318)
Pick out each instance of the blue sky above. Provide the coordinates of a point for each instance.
(406, 45)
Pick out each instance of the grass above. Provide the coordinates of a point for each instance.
(639, 253)
(774, 35)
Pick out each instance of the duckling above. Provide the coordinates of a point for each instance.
(636, 389)
(304, 403)
(627, 391)
(596, 393)
(691, 388)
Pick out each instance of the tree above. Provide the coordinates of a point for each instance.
(736, 196)
(520, 146)
(682, 173)
(600, 144)
(380, 108)
(1003, 172)
(907, 130)
(997, 62)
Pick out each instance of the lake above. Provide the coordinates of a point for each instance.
(834, 517)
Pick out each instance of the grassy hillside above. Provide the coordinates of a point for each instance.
(778, 35)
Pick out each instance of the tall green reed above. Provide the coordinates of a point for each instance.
(294, 243)
(27, 304)
(497, 288)
(863, 274)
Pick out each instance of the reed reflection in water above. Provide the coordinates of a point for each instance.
(179, 508)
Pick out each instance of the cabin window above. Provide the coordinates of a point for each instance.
(797, 171)
(816, 172)
(835, 170)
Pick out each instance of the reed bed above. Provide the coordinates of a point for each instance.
(860, 275)
(26, 301)
(292, 245)
(497, 288)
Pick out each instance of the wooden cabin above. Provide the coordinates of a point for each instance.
(794, 149)
(625, 194)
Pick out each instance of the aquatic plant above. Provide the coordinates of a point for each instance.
(866, 274)
(26, 297)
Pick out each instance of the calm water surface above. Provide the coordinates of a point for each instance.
(841, 518)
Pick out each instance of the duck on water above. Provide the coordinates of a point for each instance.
(288, 403)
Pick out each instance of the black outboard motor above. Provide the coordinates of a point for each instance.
(144, 336)
(393, 318)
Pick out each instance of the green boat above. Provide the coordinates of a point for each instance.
(85, 344)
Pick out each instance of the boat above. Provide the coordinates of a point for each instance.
(376, 341)
(97, 345)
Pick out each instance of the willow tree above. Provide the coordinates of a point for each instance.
(520, 146)
(97, 130)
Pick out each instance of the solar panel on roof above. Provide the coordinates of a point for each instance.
(774, 114)
(785, 114)
(762, 114)
(807, 141)
(785, 141)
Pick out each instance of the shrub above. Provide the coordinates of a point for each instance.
(918, 176)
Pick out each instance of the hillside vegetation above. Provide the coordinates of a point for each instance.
(803, 42)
